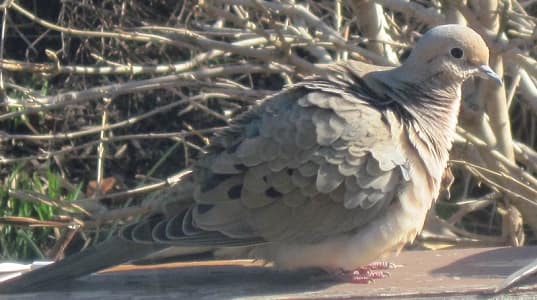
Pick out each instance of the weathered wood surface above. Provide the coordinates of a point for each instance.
(460, 273)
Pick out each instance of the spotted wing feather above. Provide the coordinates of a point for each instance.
(311, 162)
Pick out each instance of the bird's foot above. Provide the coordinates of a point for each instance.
(381, 265)
(365, 274)
(360, 275)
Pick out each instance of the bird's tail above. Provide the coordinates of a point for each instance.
(109, 253)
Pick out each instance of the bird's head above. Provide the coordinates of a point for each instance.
(451, 52)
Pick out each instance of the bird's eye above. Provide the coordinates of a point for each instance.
(456, 52)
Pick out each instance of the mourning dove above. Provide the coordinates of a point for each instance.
(333, 172)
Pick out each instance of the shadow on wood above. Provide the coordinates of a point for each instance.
(469, 273)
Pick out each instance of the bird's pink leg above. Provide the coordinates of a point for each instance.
(367, 273)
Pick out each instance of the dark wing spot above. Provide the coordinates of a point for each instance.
(273, 193)
(203, 208)
(235, 191)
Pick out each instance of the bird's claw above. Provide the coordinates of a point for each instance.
(381, 265)
(365, 274)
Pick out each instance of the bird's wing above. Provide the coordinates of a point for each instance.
(319, 159)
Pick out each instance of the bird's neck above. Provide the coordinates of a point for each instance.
(431, 106)
(434, 109)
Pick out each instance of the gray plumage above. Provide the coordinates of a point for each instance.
(332, 172)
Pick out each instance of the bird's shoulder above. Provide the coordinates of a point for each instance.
(344, 87)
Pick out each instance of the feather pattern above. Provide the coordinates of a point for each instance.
(348, 163)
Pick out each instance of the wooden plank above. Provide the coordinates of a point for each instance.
(425, 274)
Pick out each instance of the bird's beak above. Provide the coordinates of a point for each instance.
(486, 72)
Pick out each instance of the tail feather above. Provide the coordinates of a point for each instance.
(109, 253)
